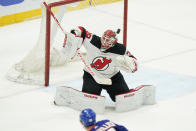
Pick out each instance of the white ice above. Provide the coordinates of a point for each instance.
(161, 34)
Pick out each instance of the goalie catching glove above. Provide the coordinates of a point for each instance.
(73, 42)
(71, 45)
(127, 62)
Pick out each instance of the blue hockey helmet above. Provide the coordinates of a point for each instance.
(88, 117)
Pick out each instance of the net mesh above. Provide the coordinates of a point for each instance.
(30, 70)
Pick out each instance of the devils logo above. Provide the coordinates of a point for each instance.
(100, 63)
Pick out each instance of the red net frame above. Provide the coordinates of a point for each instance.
(48, 31)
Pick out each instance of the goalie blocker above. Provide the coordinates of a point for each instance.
(141, 95)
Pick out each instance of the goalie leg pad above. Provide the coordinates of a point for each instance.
(149, 94)
(141, 95)
(62, 96)
(129, 101)
(67, 96)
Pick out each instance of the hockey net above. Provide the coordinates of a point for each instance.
(46, 57)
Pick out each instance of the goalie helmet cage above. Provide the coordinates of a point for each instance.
(35, 67)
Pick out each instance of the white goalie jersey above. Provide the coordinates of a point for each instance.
(104, 63)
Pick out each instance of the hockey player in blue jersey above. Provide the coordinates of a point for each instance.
(88, 120)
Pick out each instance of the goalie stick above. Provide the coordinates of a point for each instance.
(99, 80)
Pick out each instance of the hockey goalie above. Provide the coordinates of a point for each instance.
(104, 59)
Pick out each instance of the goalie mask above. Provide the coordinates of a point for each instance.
(108, 39)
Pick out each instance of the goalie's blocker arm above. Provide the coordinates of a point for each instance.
(127, 62)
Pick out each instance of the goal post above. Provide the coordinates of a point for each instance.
(48, 24)
(125, 16)
(35, 67)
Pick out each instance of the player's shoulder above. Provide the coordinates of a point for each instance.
(96, 41)
(119, 49)
(103, 121)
